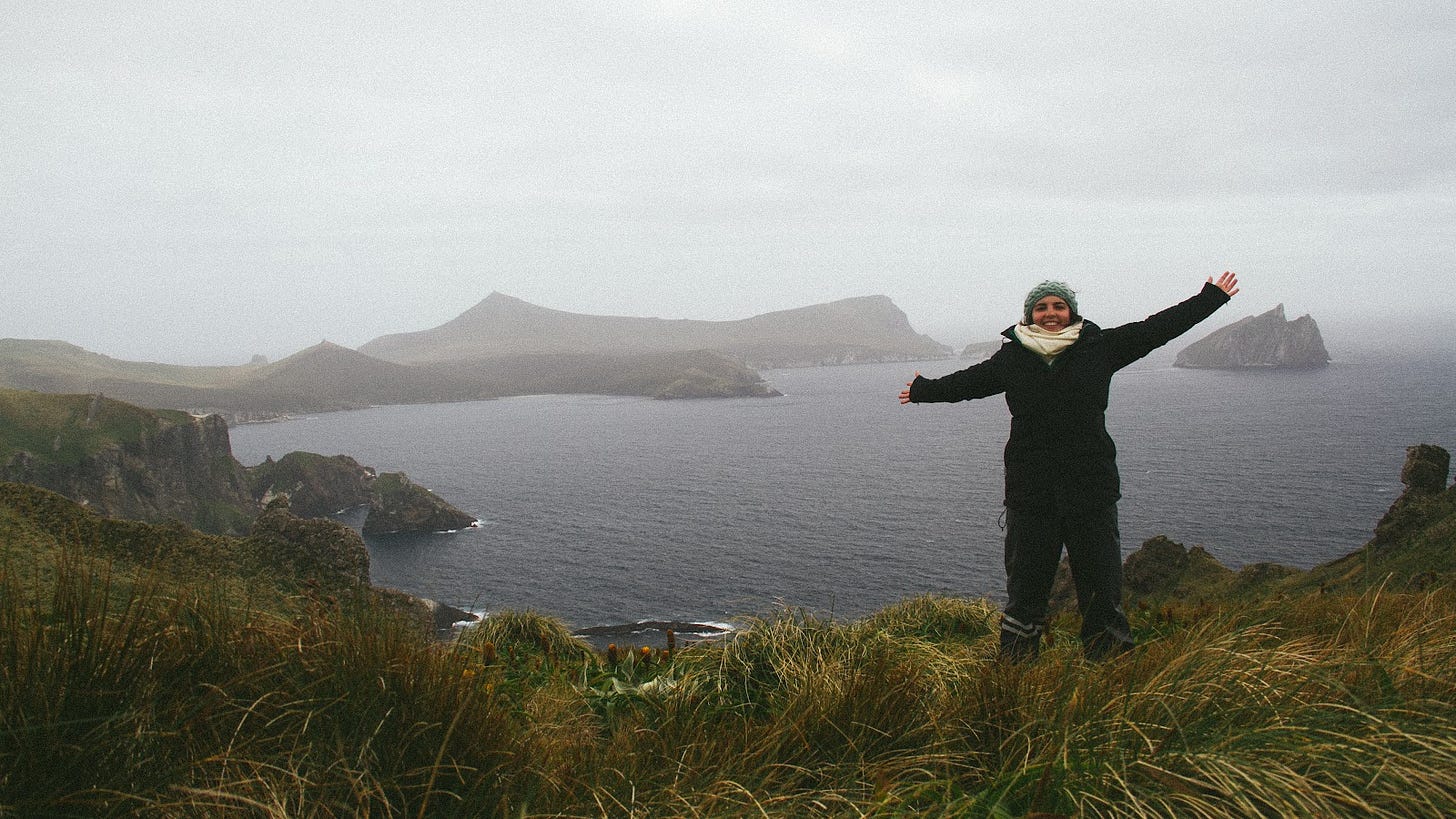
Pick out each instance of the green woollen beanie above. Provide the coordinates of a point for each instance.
(1049, 288)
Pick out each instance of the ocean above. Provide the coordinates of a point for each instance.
(836, 499)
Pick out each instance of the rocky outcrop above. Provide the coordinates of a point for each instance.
(1161, 567)
(1425, 470)
(1424, 476)
(319, 486)
(316, 485)
(1258, 342)
(399, 505)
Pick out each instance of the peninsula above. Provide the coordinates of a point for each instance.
(500, 347)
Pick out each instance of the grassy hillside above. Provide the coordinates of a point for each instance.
(55, 366)
(67, 428)
(167, 698)
(173, 702)
(125, 460)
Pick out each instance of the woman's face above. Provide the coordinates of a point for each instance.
(1051, 313)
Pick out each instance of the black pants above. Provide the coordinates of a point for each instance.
(1034, 541)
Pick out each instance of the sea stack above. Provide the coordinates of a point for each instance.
(1264, 341)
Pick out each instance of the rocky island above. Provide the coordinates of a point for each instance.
(1264, 341)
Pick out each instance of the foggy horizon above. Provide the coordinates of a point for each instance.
(198, 184)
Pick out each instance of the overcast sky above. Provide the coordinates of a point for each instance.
(198, 182)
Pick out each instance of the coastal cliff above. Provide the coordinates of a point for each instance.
(1264, 341)
(125, 461)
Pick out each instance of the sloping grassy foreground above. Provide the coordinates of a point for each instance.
(168, 700)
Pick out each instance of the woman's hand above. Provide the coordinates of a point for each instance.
(1228, 283)
(905, 393)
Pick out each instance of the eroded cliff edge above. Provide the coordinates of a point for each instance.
(123, 461)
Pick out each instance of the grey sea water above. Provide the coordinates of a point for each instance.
(604, 510)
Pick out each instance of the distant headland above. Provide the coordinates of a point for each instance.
(500, 347)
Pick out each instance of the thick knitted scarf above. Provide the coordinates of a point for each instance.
(1045, 344)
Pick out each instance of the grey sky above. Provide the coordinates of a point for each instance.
(196, 182)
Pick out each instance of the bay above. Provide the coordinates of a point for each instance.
(835, 498)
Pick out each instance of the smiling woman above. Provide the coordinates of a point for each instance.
(1062, 484)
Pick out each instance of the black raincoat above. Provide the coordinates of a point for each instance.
(1059, 456)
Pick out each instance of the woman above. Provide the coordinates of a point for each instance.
(1062, 485)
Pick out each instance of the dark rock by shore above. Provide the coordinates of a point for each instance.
(397, 504)
(651, 633)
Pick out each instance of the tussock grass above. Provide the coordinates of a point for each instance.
(167, 699)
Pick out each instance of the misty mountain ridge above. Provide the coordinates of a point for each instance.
(502, 346)
(865, 328)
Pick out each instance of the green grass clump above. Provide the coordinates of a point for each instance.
(160, 697)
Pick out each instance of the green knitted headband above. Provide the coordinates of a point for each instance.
(1049, 288)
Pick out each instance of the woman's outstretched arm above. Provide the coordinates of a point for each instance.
(1135, 340)
(976, 381)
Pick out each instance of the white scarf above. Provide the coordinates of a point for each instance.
(1046, 344)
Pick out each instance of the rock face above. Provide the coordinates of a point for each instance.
(281, 557)
(124, 461)
(1426, 468)
(1424, 475)
(1259, 342)
(316, 485)
(399, 505)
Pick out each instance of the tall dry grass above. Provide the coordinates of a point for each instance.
(168, 700)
